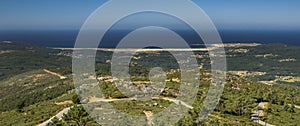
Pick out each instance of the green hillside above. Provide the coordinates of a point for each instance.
(36, 84)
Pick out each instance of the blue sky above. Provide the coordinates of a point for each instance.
(226, 14)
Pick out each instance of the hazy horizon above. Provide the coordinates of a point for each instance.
(56, 23)
(67, 38)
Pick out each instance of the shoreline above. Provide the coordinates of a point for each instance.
(212, 47)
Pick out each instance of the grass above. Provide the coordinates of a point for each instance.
(136, 108)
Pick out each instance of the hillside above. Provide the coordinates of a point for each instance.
(41, 80)
(239, 101)
(18, 58)
(272, 64)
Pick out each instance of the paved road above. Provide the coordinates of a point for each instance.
(58, 115)
(296, 106)
(263, 104)
(262, 123)
(259, 112)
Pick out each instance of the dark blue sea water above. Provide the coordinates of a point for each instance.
(67, 38)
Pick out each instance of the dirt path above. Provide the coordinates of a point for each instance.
(149, 115)
(94, 99)
(55, 74)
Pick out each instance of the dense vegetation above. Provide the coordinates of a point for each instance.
(24, 58)
(266, 58)
(30, 88)
(76, 116)
(36, 113)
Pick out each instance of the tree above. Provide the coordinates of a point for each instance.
(78, 116)
(289, 108)
(75, 99)
(1, 74)
(292, 108)
(55, 122)
(20, 106)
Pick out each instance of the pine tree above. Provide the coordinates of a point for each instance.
(78, 116)
(75, 99)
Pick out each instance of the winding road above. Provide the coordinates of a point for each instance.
(58, 115)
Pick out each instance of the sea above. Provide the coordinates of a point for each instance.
(67, 38)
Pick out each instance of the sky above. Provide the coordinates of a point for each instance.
(225, 14)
